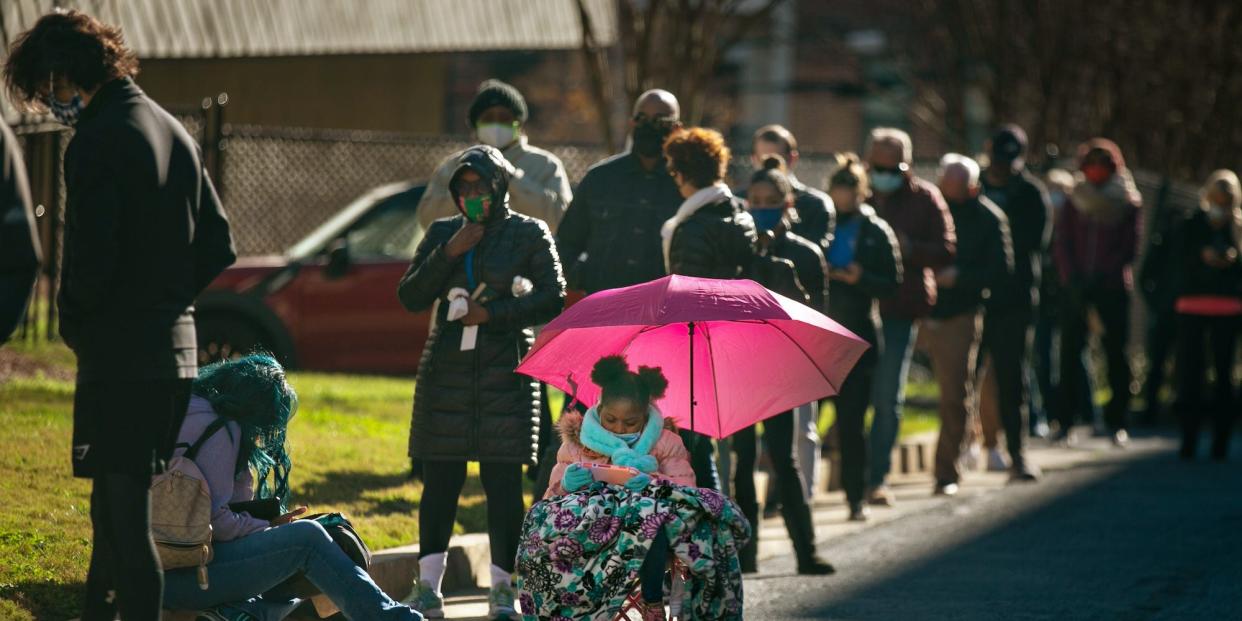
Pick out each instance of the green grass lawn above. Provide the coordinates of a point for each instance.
(348, 443)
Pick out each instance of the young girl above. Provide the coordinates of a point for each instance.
(581, 543)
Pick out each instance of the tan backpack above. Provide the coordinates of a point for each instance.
(181, 510)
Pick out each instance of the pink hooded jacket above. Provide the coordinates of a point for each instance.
(668, 451)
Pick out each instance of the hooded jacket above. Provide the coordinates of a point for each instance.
(583, 440)
(469, 405)
(1097, 233)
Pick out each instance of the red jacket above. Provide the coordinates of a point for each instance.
(920, 218)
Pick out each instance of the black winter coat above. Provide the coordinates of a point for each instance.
(816, 215)
(808, 261)
(610, 236)
(1199, 278)
(879, 256)
(470, 405)
(144, 234)
(717, 241)
(984, 261)
(1025, 202)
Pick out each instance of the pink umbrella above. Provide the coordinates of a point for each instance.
(732, 350)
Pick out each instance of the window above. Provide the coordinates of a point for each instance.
(390, 231)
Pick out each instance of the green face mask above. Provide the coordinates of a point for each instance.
(476, 208)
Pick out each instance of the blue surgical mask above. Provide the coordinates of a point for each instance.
(66, 113)
(886, 182)
(629, 438)
(767, 218)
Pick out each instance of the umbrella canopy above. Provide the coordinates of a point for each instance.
(746, 352)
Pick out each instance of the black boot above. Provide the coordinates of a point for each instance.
(748, 556)
(801, 528)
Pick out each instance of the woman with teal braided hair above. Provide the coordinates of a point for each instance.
(242, 408)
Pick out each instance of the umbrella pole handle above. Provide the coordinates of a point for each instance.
(691, 330)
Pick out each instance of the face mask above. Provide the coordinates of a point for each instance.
(497, 135)
(475, 209)
(1097, 174)
(629, 438)
(649, 139)
(767, 218)
(66, 113)
(886, 182)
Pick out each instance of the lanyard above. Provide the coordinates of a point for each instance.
(470, 269)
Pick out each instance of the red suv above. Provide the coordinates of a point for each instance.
(330, 303)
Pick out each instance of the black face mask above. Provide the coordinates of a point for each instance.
(649, 139)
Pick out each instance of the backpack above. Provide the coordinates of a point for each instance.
(181, 510)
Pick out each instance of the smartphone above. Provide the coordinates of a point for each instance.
(262, 509)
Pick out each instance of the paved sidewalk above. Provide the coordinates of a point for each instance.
(913, 496)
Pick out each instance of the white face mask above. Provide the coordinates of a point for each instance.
(497, 134)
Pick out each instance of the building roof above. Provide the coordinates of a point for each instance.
(237, 28)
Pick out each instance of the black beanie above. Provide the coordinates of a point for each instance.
(497, 93)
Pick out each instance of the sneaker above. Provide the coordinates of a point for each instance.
(500, 603)
(1121, 439)
(880, 496)
(425, 600)
(1040, 430)
(997, 461)
(945, 489)
(222, 614)
(1063, 437)
(970, 459)
(859, 512)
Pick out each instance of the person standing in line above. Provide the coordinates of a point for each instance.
(864, 266)
(1008, 323)
(984, 259)
(1210, 306)
(540, 187)
(469, 405)
(813, 219)
(610, 236)
(770, 204)
(924, 228)
(144, 234)
(1096, 235)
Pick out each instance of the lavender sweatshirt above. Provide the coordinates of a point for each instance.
(217, 460)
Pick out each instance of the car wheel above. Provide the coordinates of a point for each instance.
(226, 338)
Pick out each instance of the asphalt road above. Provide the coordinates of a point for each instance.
(1128, 535)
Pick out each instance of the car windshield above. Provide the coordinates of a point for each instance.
(390, 231)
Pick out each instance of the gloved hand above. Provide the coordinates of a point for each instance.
(576, 478)
(638, 482)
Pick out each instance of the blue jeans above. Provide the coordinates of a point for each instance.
(245, 572)
(889, 393)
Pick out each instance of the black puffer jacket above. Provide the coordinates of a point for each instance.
(1199, 278)
(817, 217)
(470, 405)
(809, 262)
(879, 256)
(717, 241)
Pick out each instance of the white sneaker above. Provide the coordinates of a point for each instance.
(970, 458)
(997, 461)
(425, 600)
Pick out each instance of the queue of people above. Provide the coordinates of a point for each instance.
(974, 261)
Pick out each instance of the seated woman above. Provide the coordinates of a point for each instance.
(587, 543)
(252, 557)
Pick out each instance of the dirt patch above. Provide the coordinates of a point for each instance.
(13, 365)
